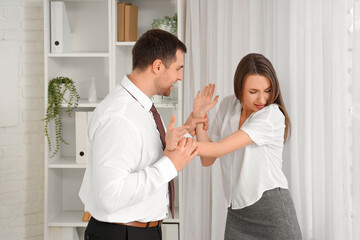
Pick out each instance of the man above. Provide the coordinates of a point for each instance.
(126, 183)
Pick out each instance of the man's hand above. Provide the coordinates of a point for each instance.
(193, 121)
(185, 151)
(174, 135)
(203, 101)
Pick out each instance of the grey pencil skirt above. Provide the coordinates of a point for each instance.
(273, 216)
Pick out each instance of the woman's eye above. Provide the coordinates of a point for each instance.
(252, 92)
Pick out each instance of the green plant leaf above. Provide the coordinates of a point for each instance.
(57, 89)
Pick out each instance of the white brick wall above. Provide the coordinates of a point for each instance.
(22, 147)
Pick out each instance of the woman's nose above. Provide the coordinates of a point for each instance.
(262, 99)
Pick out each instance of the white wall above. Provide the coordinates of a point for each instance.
(21, 147)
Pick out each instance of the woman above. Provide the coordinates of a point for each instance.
(248, 135)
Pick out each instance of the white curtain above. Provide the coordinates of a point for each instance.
(314, 46)
(354, 49)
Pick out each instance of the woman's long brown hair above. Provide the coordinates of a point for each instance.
(258, 64)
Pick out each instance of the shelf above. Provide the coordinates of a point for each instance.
(79, 54)
(68, 219)
(65, 162)
(85, 104)
(95, 53)
(125, 43)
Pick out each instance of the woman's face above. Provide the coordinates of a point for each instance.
(256, 93)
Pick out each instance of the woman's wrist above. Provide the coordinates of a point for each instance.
(198, 114)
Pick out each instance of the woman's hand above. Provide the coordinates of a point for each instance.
(203, 101)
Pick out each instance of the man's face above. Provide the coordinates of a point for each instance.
(169, 76)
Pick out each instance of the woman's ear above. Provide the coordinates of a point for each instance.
(157, 65)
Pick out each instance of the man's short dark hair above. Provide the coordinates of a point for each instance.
(156, 44)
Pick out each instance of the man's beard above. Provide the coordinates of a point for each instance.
(163, 91)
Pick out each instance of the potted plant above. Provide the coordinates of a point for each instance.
(61, 90)
(166, 23)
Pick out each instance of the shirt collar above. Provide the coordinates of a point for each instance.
(141, 97)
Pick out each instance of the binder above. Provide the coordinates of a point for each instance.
(81, 122)
(60, 28)
(131, 22)
(121, 21)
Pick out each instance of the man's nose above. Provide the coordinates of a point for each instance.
(180, 76)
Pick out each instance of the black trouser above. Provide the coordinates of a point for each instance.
(97, 230)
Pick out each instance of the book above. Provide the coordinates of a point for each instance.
(121, 21)
(60, 32)
(131, 22)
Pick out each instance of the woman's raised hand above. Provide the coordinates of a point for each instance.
(203, 101)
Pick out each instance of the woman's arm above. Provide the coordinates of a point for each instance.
(202, 137)
(202, 104)
(226, 145)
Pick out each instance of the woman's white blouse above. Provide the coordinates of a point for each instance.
(250, 171)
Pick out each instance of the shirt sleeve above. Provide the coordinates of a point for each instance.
(119, 179)
(266, 126)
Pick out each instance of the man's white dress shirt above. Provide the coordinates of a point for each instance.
(250, 171)
(126, 177)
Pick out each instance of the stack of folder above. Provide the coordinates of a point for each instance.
(127, 22)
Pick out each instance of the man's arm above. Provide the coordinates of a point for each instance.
(192, 121)
(119, 179)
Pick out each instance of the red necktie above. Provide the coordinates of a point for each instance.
(161, 129)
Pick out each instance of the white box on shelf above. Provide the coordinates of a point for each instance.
(81, 121)
(60, 28)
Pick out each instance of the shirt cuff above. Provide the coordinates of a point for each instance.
(188, 135)
(167, 168)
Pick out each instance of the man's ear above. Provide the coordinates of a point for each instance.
(157, 65)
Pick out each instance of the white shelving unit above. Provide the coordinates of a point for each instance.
(96, 53)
